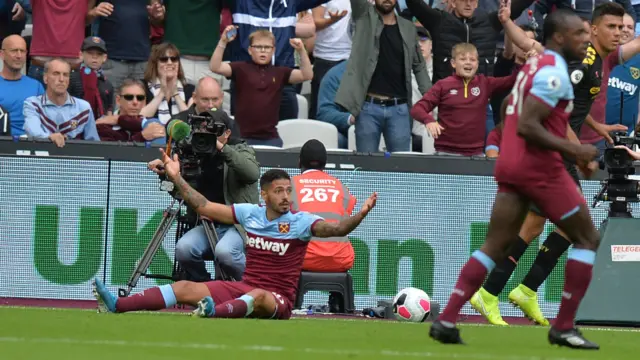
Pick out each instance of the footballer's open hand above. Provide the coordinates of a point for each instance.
(171, 166)
(369, 204)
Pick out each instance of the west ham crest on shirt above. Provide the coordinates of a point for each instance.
(284, 227)
(74, 124)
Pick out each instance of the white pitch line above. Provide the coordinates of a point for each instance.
(281, 349)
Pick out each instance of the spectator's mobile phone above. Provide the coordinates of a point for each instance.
(231, 33)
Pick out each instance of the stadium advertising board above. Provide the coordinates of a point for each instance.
(66, 221)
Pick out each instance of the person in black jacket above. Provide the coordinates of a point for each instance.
(462, 25)
(508, 61)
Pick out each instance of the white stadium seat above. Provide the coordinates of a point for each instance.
(303, 107)
(226, 102)
(294, 133)
(306, 88)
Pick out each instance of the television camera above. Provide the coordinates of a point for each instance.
(199, 142)
(618, 188)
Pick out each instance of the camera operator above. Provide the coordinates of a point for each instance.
(227, 177)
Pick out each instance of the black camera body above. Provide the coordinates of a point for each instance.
(618, 188)
(201, 143)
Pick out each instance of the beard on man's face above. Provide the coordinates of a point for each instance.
(385, 6)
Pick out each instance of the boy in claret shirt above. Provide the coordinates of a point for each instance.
(462, 101)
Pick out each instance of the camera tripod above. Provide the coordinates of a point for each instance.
(168, 217)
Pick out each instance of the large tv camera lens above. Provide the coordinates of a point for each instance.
(617, 159)
(204, 143)
(206, 128)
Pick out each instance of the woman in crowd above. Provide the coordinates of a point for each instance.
(167, 90)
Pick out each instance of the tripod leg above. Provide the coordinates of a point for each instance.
(150, 251)
(212, 236)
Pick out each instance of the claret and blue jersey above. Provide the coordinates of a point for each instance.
(545, 78)
(275, 248)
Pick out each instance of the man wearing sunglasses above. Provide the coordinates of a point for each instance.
(230, 176)
(128, 124)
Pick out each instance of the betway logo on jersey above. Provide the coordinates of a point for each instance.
(622, 85)
(260, 243)
(318, 181)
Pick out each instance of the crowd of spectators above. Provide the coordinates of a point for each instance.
(398, 70)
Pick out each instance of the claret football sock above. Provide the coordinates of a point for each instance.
(499, 277)
(548, 256)
(471, 277)
(156, 298)
(236, 308)
(577, 278)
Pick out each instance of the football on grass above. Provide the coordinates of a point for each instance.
(411, 305)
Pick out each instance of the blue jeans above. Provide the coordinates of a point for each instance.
(393, 122)
(193, 248)
(343, 141)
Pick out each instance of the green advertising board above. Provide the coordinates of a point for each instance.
(67, 221)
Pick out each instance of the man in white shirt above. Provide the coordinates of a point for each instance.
(333, 42)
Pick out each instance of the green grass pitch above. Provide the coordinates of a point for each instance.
(39, 333)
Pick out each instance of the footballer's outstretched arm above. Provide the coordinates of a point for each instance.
(323, 229)
(200, 204)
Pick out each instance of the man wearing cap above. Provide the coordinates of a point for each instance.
(319, 193)
(89, 82)
(230, 176)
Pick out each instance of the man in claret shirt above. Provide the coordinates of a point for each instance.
(277, 243)
(462, 101)
(58, 32)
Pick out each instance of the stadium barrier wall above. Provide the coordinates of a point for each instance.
(89, 210)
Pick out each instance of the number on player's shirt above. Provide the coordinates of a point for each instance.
(550, 85)
(319, 194)
(515, 106)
